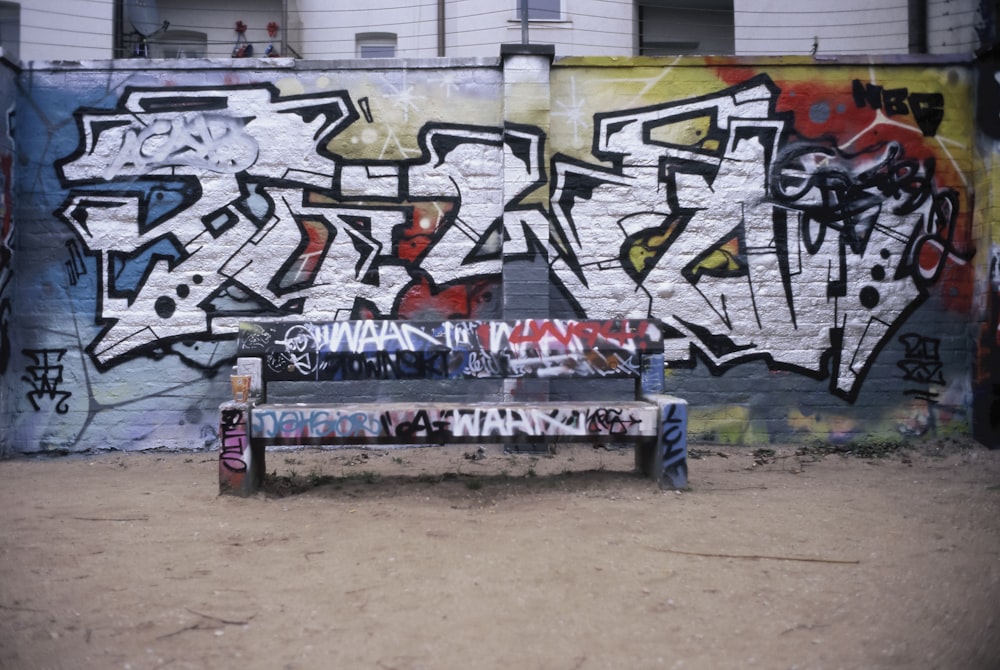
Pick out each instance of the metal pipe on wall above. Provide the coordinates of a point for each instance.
(918, 26)
(284, 28)
(524, 21)
(440, 23)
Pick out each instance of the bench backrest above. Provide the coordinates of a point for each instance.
(382, 349)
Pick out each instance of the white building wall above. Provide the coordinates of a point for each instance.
(588, 27)
(84, 29)
(331, 34)
(859, 27)
(472, 28)
(318, 29)
(65, 30)
(951, 26)
(469, 32)
(792, 27)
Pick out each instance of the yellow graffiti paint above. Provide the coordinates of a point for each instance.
(689, 132)
(646, 249)
(721, 260)
(721, 425)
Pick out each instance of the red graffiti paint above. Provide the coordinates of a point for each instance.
(588, 333)
(466, 300)
(425, 224)
(856, 114)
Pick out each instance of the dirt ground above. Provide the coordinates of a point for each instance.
(453, 558)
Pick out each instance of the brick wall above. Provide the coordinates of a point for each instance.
(805, 229)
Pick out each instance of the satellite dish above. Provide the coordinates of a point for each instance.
(144, 17)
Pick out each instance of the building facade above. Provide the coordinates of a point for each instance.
(47, 30)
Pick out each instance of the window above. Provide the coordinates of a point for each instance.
(679, 27)
(376, 45)
(180, 44)
(540, 10)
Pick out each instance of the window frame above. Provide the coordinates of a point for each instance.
(558, 11)
(376, 41)
(10, 29)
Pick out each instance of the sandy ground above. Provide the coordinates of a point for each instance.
(430, 558)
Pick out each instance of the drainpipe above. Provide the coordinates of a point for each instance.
(440, 28)
(918, 26)
(284, 28)
(524, 21)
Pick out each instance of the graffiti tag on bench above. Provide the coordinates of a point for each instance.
(297, 425)
(341, 350)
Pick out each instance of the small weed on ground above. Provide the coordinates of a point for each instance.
(369, 476)
(867, 447)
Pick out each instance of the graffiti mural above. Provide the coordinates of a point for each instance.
(749, 244)
(197, 217)
(802, 233)
(835, 247)
(986, 379)
(6, 240)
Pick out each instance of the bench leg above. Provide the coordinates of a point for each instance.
(668, 463)
(645, 458)
(258, 466)
(240, 470)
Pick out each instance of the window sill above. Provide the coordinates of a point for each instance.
(543, 21)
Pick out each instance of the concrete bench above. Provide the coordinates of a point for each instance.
(444, 382)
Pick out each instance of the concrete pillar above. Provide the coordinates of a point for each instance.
(526, 108)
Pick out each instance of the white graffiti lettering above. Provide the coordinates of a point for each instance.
(451, 423)
(740, 244)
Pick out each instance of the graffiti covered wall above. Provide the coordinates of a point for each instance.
(8, 92)
(804, 231)
(986, 314)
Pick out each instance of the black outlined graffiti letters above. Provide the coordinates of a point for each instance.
(749, 244)
(204, 205)
(44, 375)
